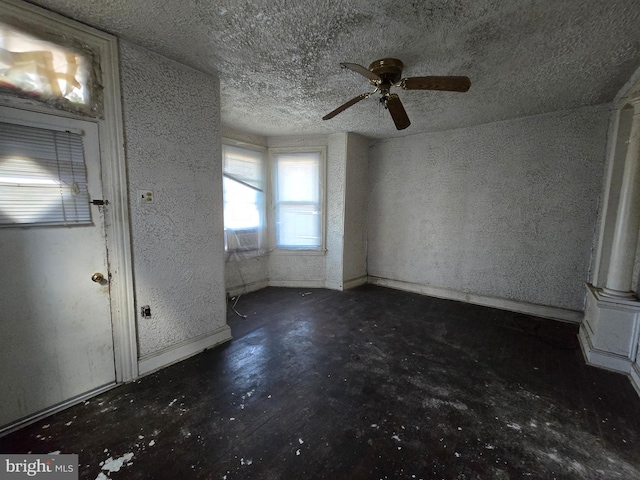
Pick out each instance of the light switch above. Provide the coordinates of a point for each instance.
(146, 196)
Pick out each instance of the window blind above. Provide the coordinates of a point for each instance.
(298, 200)
(43, 178)
(243, 192)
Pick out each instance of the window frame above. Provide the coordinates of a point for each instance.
(66, 36)
(273, 176)
(263, 238)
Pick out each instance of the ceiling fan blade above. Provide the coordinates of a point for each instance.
(344, 106)
(447, 84)
(397, 111)
(361, 70)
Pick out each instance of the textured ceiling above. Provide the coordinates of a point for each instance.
(278, 60)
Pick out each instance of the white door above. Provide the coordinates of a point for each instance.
(56, 341)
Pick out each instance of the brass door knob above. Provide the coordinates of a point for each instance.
(97, 277)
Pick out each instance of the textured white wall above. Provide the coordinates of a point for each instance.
(503, 210)
(172, 139)
(356, 204)
(243, 275)
(336, 177)
(246, 137)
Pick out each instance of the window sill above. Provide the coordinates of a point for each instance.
(299, 251)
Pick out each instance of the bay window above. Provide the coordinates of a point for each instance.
(296, 191)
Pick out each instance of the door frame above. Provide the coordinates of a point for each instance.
(113, 172)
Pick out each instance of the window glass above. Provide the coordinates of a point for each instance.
(43, 177)
(243, 191)
(298, 200)
(41, 68)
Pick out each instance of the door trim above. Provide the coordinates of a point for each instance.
(113, 172)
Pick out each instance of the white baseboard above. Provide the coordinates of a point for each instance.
(248, 288)
(297, 283)
(334, 286)
(354, 282)
(183, 350)
(544, 311)
(28, 420)
(602, 358)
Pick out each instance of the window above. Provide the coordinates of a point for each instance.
(298, 198)
(43, 178)
(41, 68)
(244, 198)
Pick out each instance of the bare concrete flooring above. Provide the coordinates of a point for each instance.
(366, 384)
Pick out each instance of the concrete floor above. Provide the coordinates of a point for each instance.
(366, 384)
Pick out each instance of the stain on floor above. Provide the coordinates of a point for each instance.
(371, 383)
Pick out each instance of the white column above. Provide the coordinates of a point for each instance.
(625, 236)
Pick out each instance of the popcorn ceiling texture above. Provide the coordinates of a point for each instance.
(278, 60)
(171, 126)
(505, 210)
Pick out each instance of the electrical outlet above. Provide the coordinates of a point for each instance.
(145, 311)
(146, 197)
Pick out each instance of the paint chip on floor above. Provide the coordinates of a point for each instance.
(115, 464)
(298, 452)
(152, 443)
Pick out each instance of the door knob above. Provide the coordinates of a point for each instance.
(97, 277)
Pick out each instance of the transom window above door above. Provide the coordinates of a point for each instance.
(38, 68)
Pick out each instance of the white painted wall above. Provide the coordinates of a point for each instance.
(172, 140)
(504, 210)
(355, 214)
(335, 204)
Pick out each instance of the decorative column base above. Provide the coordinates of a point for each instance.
(606, 292)
(609, 333)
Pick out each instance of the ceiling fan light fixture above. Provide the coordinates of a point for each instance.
(386, 73)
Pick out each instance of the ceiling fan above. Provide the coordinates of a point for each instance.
(386, 73)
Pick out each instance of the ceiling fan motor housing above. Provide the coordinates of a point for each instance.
(388, 69)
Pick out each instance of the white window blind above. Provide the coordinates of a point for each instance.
(298, 200)
(43, 177)
(243, 190)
